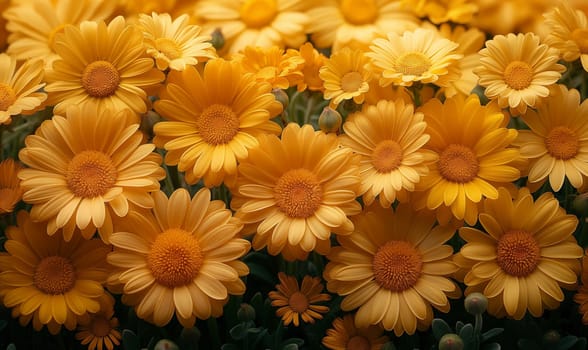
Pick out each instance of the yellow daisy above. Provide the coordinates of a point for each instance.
(389, 138)
(87, 168)
(392, 269)
(10, 190)
(415, 56)
(313, 61)
(524, 255)
(443, 11)
(262, 23)
(344, 335)
(99, 330)
(4, 4)
(102, 66)
(296, 190)
(174, 44)
(517, 70)
(581, 296)
(568, 32)
(48, 280)
(20, 88)
(180, 258)
(295, 303)
(213, 119)
(475, 155)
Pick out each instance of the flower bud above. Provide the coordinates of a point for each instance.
(218, 39)
(330, 120)
(281, 96)
(246, 313)
(476, 303)
(166, 344)
(450, 341)
(580, 204)
(551, 337)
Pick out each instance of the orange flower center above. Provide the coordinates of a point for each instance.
(397, 266)
(100, 79)
(90, 174)
(175, 258)
(258, 13)
(580, 37)
(387, 156)
(298, 302)
(458, 163)
(7, 97)
(169, 48)
(53, 34)
(358, 342)
(100, 326)
(517, 253)
(351, 82)
(217, 124)
(54, 275)
(412, 63)
(562, 143)
(298, 193)
(518, 75)
(359, 12)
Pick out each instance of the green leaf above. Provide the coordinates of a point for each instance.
(297, 341)
(130, 340)
(440, 328)
(261, 272)
(566, 342)
(240, 331)
(290, 347)
(527, 344)
(11, 346)
(458, 326)
(491, 333)
(467, 333)
(230, 346)
(491, 346)
(3, 324)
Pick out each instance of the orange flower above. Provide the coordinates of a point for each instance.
(10, 191)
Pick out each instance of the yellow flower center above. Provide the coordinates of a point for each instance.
(175, 258)
(258, 13)
(351, 82)
(169, 48)
(54, 275)
(100, 79)
(217, 124)
(397, 266)
(517, 253)
(53, 34)
(298, 302)
(359, 12)
(358, 342)
(100, 326)
(7, 97)
(580, 37)
(387, 156)
(90, 174)
(458, 163)
(518, 75)
(412, 63)
(562, 143)
(298, 193)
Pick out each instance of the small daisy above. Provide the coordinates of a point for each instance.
(10, 190)
(99, 330)
(568, 32)
(313, 61)
(344, 335)
(345, 76)
(443, 11)
(581, 296)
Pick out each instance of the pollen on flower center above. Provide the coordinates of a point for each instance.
(517, 253)
(298, 302)
(298, 193)
(100, 79)
(169, 48)
(53, 34)
(258, 13)
(54, 275)
(100, 326)
(397, 266)
(387, 156)
(359, 12)
(562, 143)
(351, 81)
(518, 75)
(175, 258)
(359, 342)
(7, 97)
(580, 37)
(90, 174)
(412, 63)
(217, 124)
(458, 163)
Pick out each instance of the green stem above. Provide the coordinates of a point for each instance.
(477, 331)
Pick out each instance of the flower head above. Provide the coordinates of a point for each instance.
(99, 330)
(345, 335)
(313, 61)
(443, 11)
(10, 190)
(581, 296)
(568, 32)
(345, 76)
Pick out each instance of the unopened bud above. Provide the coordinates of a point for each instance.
(450, 341)
(246, 313)
(551, 337)
(217, 39)
(330, 120)
(281, 96)
(476, 303)
(166, 344)
(580, 204)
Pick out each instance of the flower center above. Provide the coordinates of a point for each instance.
(458, 163)
(54, 275)
(397, 266)
(169, 48)
(298, 193)
(217, 124)
(351, 82)
(358, 342)
(517, 253)
(298, 302)
(100, 326)
(7, 97)
(387, 156)
(412, 63)
(90, 174)
(175, 258)
(518, 75)
(258, 13)
(53, 34)
(562, 143)
(100, 79)
(580, 37)
(359, 12)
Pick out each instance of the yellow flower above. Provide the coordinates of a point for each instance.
(313, 61)
(101, 66)
(389, 138)
(525, 254)
(10, 190)
(48, 280)
(19, 88)
(4, 4)
(99, 330)
(517, 70)
(174, 44)
(568, 32)
(180, 258)
(393, 268)
(295, 303)
(475, 156)
(297, 190)
(256, 23)
(416, 56)
(86, 168)
(581, 296)
(443, 11)
(345, 335)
